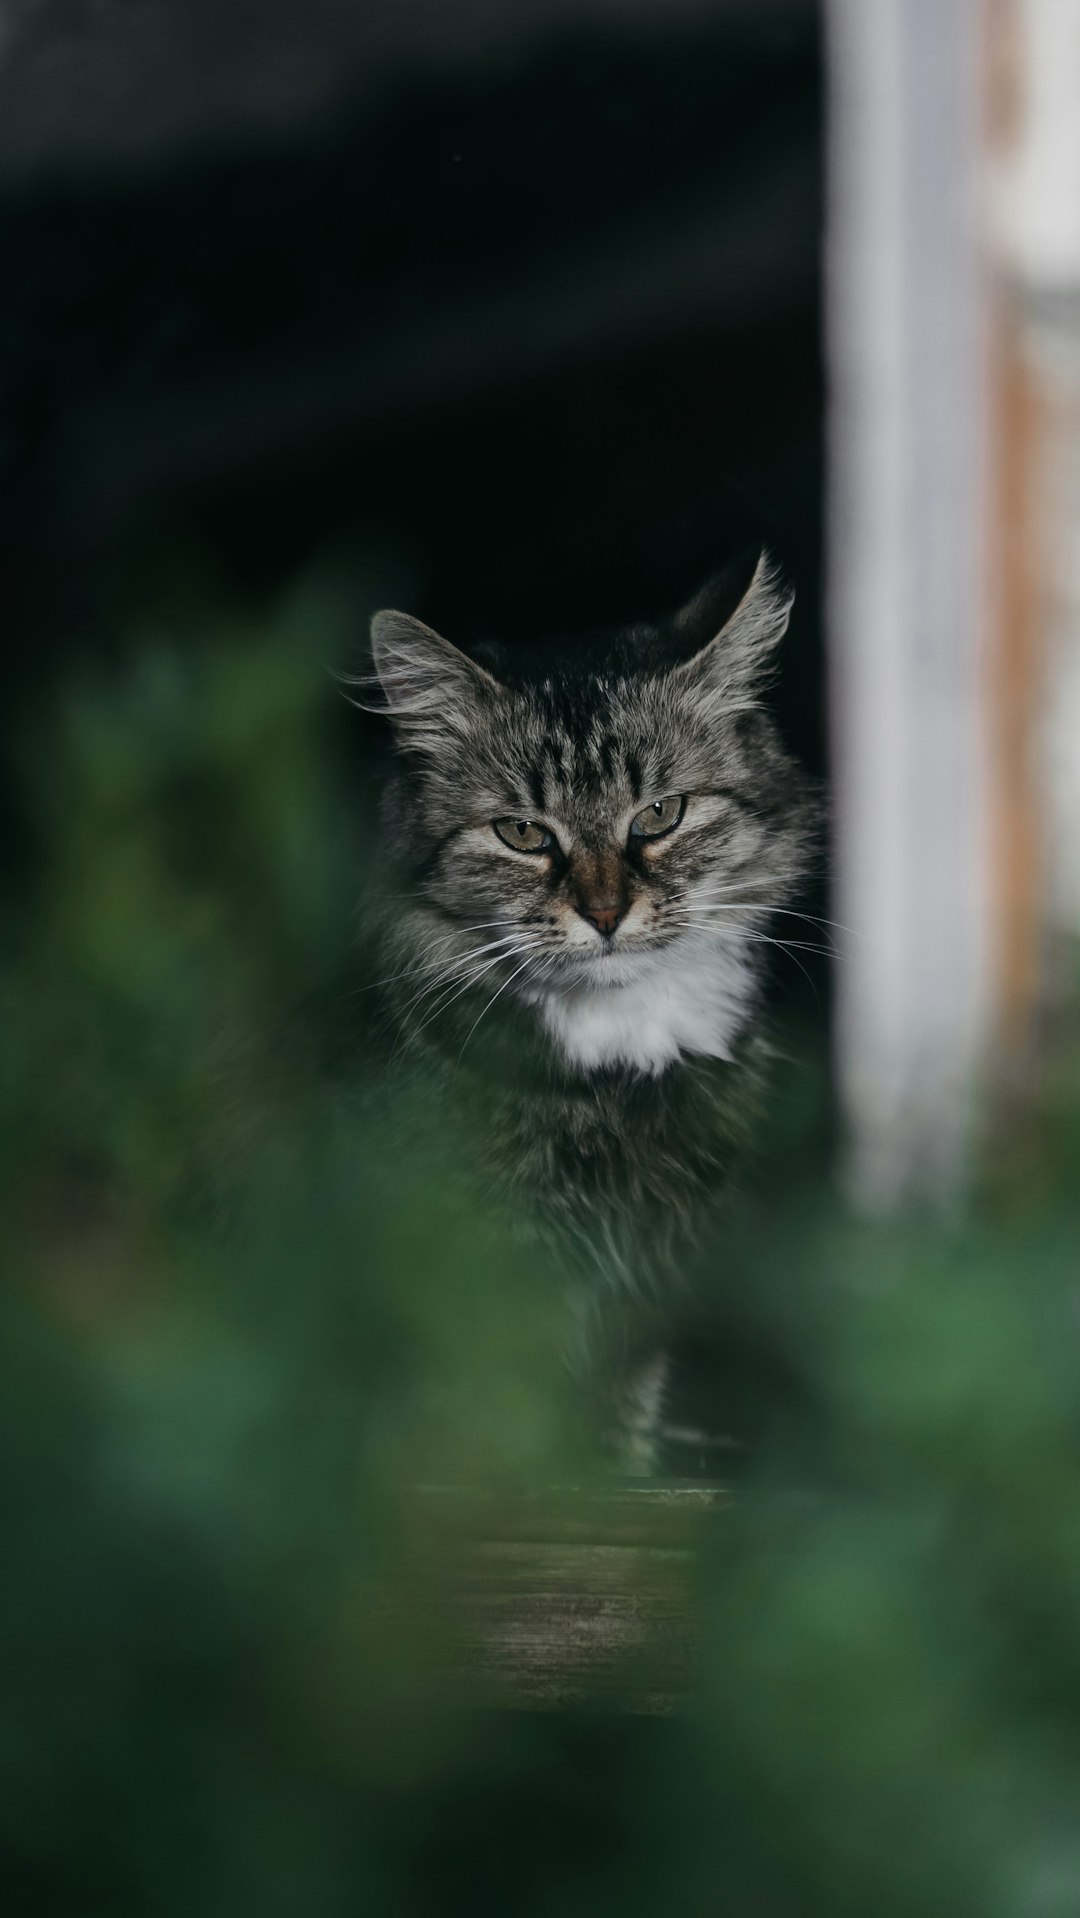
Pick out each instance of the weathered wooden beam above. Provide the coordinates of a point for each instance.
(565, 1596)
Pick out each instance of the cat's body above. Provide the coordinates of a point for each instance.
(592, 842)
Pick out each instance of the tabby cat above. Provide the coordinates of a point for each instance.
(592, 836)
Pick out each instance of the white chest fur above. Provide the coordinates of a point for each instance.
(692, 997)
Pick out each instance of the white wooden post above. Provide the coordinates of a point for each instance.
(906, 382)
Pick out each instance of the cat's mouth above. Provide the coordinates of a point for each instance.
(608, 966)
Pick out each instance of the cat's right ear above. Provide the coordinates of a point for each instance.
(428, 687)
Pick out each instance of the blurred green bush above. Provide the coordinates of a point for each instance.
(248, 1305)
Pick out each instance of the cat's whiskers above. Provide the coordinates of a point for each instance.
(442, 977)
(495, 995)
(751, 933)
(702, 914)
(747, 935)
(446, 971)
(441, 945)
(458, 987)
(446, 979)
(710, 901)
(747, 872)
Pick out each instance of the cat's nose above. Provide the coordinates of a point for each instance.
(604, 918)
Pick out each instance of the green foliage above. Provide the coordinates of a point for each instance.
(249, 1306)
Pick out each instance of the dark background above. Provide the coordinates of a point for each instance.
(516, 305)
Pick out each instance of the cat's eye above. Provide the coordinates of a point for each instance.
(524, 835)
(661, 817)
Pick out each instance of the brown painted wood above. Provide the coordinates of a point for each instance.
(1015, 662)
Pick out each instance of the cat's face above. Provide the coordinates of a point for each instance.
(588, 818)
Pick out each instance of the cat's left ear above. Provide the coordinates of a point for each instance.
(731, 646)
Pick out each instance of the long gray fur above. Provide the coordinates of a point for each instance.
(617, 1076)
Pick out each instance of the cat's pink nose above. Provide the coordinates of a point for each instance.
(604, 918)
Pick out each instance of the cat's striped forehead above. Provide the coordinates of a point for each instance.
(596, 740)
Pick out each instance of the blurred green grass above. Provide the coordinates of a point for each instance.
(249, 1303)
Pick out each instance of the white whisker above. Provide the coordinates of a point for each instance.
(453, 977)
(443, 973)
(760, 938)
(709, 899)
(441, 945)
(491, 1002)
(700, 915)
(458, 988)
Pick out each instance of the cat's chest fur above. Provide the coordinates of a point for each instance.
(696, 1006)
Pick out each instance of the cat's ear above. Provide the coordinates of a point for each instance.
(429, 688)
(729, 631)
